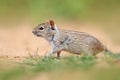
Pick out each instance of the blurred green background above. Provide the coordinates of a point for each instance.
(36, 10)
(106, 13)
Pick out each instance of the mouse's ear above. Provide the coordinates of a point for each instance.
(52, 24)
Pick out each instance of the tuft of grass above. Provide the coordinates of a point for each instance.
(65, 63)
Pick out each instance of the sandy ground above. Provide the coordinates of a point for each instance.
(18, 42)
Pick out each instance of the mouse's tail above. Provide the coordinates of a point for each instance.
(107, 51)
(110, 53)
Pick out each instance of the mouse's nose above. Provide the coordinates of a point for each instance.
(34, 32)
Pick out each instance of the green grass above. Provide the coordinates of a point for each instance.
(51, 64)
(85, 65)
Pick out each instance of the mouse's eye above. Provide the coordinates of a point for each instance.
(41, 28)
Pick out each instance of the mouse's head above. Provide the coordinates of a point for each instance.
(46, 30)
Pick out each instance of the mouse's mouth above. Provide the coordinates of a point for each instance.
(38, 35)
(35, 33)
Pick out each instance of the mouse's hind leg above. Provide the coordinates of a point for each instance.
(58, 54)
